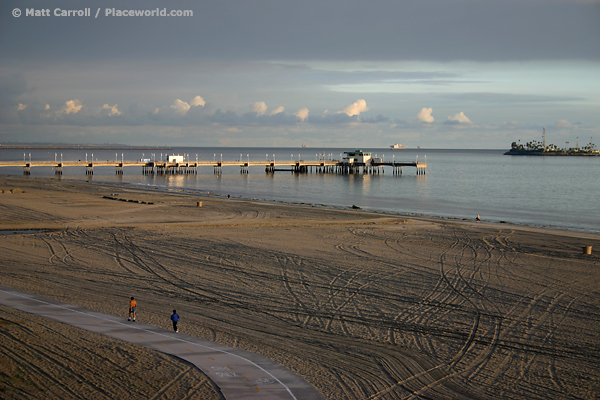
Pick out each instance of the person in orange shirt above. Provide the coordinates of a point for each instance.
(132, 307)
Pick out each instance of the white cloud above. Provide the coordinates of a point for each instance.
(72, 107)
(278, 110)
(425, 115)
(113, 110)
(302, 114)
(22, 106)
(355, 108)
(180, 107)
(197, 101)
(460, 118)
(260, 108)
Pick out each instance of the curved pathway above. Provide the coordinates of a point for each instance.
(238, 374)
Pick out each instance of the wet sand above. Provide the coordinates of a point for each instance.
(361, 305)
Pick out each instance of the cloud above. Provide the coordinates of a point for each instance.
(22, 106)
(197, 101)
(459, 118)
(180, 107)
(112, 110)
(425, 115)
(355, 108)
(260, 108)
(278, 110)
(71, 107)
(302, 114)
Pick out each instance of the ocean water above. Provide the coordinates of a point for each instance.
(553, 192)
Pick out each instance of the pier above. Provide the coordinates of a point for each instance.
(354, 163)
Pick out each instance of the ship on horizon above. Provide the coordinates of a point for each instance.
(397, 146)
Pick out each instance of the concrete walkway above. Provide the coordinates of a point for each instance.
(238, 374)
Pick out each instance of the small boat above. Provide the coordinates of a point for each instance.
(304, 145)
(397, 146)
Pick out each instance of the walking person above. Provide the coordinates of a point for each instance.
(132, 308)
(175, 319)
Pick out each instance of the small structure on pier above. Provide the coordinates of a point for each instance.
(357, 157)
(174, 158)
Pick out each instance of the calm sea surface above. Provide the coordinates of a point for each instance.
(554, 192)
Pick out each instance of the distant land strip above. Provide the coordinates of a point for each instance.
(88, 147)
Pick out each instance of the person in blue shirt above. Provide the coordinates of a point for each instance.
(175, 319)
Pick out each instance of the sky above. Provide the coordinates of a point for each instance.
(322, 73)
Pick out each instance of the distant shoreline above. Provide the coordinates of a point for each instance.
(550, 153)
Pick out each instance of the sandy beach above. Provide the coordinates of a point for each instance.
(361, 305)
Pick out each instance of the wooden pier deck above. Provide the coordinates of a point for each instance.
(191, 167)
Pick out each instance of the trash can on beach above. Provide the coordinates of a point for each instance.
(587, 249)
